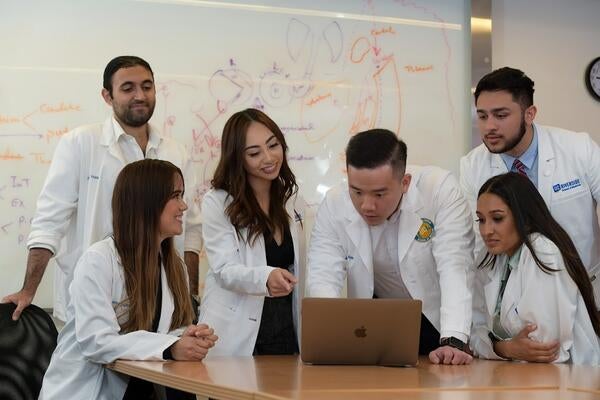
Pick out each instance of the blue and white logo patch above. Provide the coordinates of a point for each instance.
(564, 187)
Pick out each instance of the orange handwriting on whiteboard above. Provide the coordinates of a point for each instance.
(39, 158)
(57, 108)
(52, 133)
(418, 68)
(9, 155)
(317, 99)
(7, 119)
(377, 32)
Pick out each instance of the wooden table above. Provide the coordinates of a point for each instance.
(286, 377)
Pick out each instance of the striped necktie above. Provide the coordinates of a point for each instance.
(520, 167)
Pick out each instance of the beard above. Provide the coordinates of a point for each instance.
(135, 118)
(512, 143)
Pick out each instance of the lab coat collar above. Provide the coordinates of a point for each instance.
(112, 131)
(497, 165)
(110, 138)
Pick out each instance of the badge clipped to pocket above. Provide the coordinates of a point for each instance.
(426, 230)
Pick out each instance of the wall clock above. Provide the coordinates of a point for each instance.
(592, 78)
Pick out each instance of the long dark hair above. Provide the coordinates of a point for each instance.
(230, 176)
(141, 192)
(531, 215)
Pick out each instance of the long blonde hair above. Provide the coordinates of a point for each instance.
(141, 192)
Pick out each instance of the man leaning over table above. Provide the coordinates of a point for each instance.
(397, 231)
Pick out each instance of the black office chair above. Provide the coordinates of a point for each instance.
(26, 346)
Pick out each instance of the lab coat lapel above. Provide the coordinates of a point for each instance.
(166, 306)
(296, 229)
(359, 234)
(409, 220)
(492, 287)
(546, 165)
(255, 253)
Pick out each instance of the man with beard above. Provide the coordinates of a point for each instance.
(75, 201)
(563, 165)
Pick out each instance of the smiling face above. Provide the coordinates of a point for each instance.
(497, 225)
(503, 125)
(263, 155)
(133, 96)
(171, 218)
(376, 192)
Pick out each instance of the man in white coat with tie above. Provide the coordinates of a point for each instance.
(398, 232)
(74, 206)
(563, 165)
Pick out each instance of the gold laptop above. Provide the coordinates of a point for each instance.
(360, 331)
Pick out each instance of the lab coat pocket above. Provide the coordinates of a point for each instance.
(420, 259)
(218, 317)
(512, 322)
(560, 196)
(85, 379)
(227, 299)
(352, 261)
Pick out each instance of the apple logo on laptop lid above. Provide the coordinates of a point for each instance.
(360, 332)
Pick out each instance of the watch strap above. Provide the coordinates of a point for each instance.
(453, 342)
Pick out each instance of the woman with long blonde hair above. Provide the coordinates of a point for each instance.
(129, 295)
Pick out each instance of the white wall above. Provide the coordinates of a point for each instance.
(552, 41)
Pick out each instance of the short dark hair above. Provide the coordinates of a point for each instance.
(122, 62)
(512, 80)
(374, 148)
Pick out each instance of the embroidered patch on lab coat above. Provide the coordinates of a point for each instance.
(426, 230)
(563, 187)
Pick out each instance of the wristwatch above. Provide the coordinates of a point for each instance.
(453, 342)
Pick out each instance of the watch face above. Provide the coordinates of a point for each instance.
(592, 78)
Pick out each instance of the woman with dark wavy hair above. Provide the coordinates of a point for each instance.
(129, 295)
(252, 228)
(533, 299)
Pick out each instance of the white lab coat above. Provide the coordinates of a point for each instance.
(236, 282)
(551, 301)
(91, 336)
(563, 156)
(436, 271)
(75, 201)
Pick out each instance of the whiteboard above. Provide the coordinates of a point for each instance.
(322, 70)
